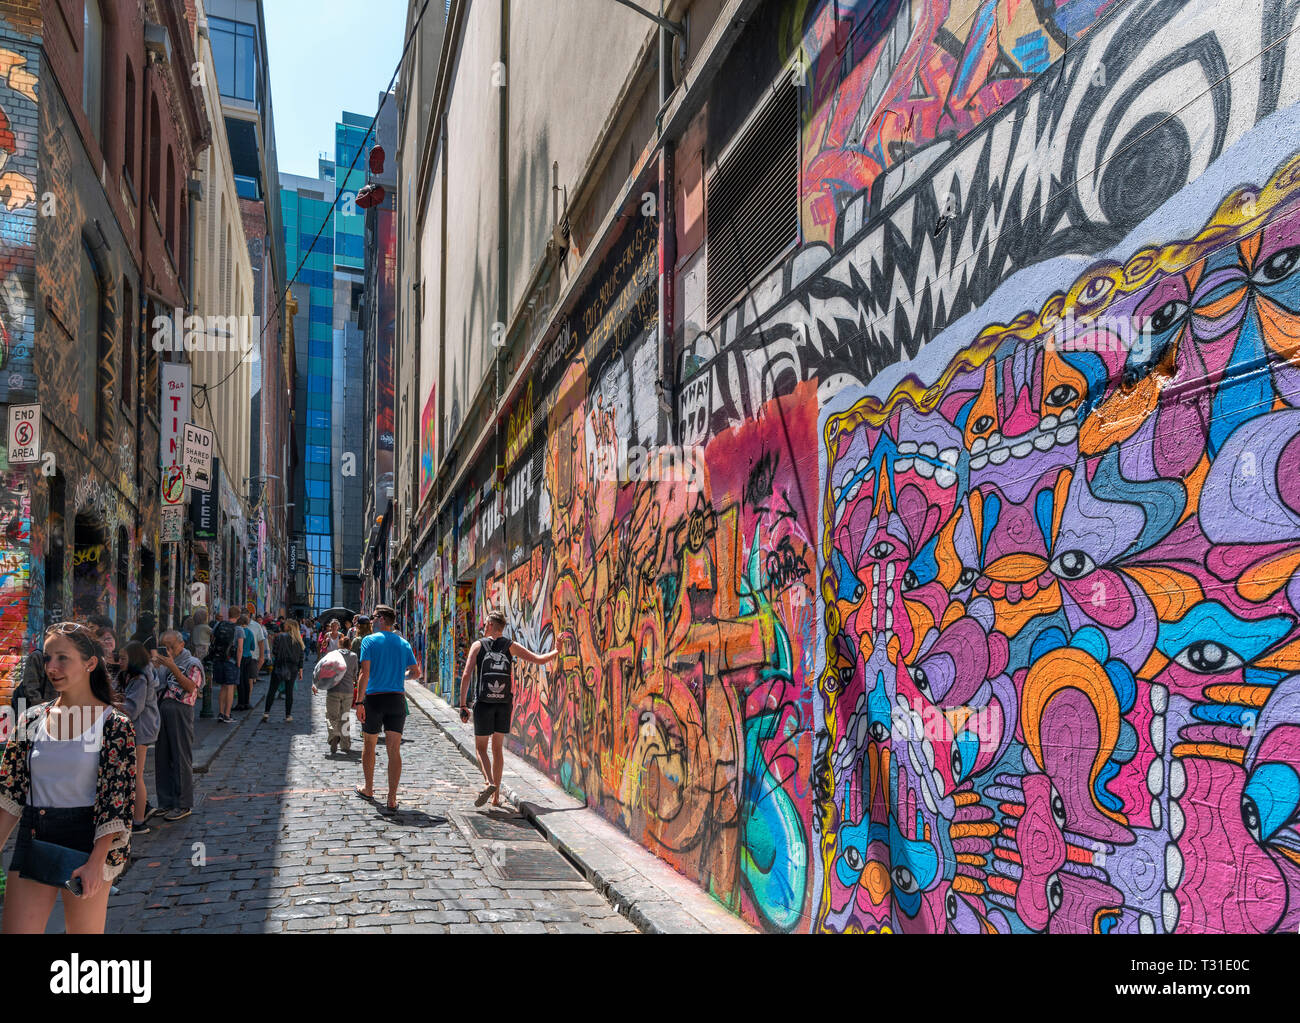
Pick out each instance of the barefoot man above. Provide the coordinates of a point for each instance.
(491, 660)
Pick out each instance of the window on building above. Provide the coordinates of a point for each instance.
(128, 153)
(234, 51)
(88, 339)
(128, 344)
(155, 152)
(92, 68)
(170, 199)
(752, 200)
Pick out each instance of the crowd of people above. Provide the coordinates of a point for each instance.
(92, 705)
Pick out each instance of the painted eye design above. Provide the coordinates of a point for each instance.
(967, 578)
(1061, 395)
(1277, 266)
(950, 905)
(922, 682)
(1058, 808)
(1206, 657)
(1097, 289)
(1166, 316)
(853, 858)
(1055, 892)
(904, 881)
(1072, 565)
(956, 762)
(910, 581)
(878, 731)
(881, 550)
(1250, 816)
(983, 424)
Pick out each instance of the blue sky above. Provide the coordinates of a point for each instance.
(326, 57)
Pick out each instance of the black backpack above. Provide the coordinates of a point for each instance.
(495, 664)
(223, 641)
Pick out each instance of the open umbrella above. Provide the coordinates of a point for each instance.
(341, 613)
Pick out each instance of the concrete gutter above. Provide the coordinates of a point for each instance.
(637, 883)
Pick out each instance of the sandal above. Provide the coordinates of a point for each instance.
(485, 795)
(367, 796)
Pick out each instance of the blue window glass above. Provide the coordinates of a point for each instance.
(318, 385)
(320, 350)
(317, 453)
(323, 368)
(317, 471)
(317, 488)
(318, 420)
(318, 401)
(318, 523)
(321, 437)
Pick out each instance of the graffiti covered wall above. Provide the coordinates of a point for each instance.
(966, 599)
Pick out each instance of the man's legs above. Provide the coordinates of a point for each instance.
(484, 764)
(498, 761)
(393, 742)
(164, 759)
(184, 717)
(368, 763)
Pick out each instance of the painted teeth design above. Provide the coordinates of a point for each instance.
(945, 478)
(930, 450)
(1177, 779)
(949, 456)
(1044, 442)
(1169, 908)
(995, 439)
(889, 573)
(904, 464)
(838, 492)
(1173, 865)
(875, 575)
(863, 465)
(1020, 450)
(1176, 821)
(889, 621)
(1157, 814)
(999, 456)
(1159, 699)
(853, 492)
(1146, 925)
(1068, 416)
(1066, 434)
(979, 462)
(907, 447)
(924, 469)
(1048, 423)
(889, 598)
(978, 445)
(1156, 777)
(1158, 732)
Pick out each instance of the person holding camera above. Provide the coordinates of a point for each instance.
(67, 783)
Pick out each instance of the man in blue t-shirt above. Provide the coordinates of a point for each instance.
(387, 661)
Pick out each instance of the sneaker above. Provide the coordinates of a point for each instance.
(266, 717)
(288, 719)
(140, 829)
(177, 815)
(150, 810)
(334, 746)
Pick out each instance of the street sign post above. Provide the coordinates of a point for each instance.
(24, 434)
(196, 459)
(173, 523)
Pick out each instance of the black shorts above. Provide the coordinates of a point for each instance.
(225, 673)
(73, 828)
(248, 669)
(386, 712)
(492, 718)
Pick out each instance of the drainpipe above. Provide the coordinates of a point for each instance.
(667, 242)
(503, 236)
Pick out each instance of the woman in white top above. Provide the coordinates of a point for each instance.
(67, 782)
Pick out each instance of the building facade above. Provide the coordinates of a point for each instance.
(102, 128)
(885, 409)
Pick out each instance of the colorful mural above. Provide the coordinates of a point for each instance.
(1062, 606)
(967, 596)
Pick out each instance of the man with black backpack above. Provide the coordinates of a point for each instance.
(227, 650)
(491, 661)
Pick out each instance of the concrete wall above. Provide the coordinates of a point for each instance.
(968, 600)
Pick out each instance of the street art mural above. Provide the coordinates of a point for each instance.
(19, 64)
(966, 596)
(1061, 586)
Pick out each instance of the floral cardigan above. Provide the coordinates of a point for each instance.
(115, 792)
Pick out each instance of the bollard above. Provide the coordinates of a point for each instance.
(206, 710)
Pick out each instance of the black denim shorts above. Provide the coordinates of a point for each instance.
(72, 827)
(492, 718)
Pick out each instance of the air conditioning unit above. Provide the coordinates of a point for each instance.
(157, 43)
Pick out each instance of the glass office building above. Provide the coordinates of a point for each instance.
(329, 427)
(305, 204)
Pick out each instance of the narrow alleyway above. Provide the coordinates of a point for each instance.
(279, 841)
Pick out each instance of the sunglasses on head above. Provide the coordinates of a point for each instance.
(71, 629)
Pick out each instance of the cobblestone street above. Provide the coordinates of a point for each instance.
(279, 841)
